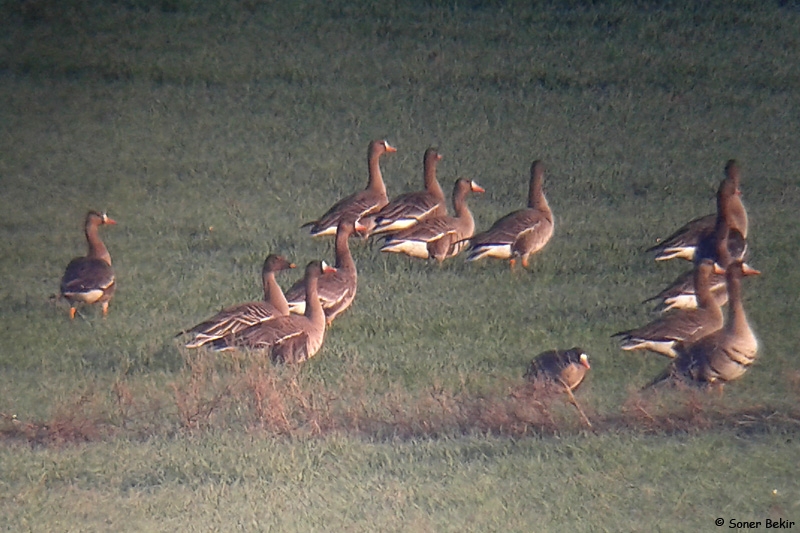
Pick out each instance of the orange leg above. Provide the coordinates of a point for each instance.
(72, 312)
(525, 261)
(574, 402)
(105, 309)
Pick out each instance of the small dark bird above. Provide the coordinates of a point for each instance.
(90, 279)
(567, 367)
(561, 368)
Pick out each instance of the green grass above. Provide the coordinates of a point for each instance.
(211, 133)
(224, 481)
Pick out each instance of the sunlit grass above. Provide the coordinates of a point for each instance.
(471, 484)
(211, 133)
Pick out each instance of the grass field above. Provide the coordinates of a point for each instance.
(211, 133)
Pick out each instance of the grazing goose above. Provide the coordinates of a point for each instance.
(90, 279)
(235, 319)
(684, 326)
(292, 338)
(520, 233)
(336, 289)
(362, 203)
(683, 242)
(724, 355)
(561, 368)
(438, 237)
(408, 209)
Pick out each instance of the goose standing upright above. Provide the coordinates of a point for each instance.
(681, 293)
(336, 289)
(235, 319)
(522, 232)
(727, 242)
(90, 279)
(724, 355)
(410, 208)
(723, 245)
(362, 203)
(291, 338)
(683, 242)
(438, 237)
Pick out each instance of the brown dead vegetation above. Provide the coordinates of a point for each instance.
(281, 401)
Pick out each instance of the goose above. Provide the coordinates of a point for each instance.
(408, 209)
(723, 246)
(520, 233)
(336, 290)
(724, 355)
(291, 338)
(683, 242)
(726, 243)
(680, 294)
(564, 367)
(90, 279)
(438, 237)
(362, 203)
(685, 326)
(561, 368)
(235, 319)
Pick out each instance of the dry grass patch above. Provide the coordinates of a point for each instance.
(245, 392)
(83, 419)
